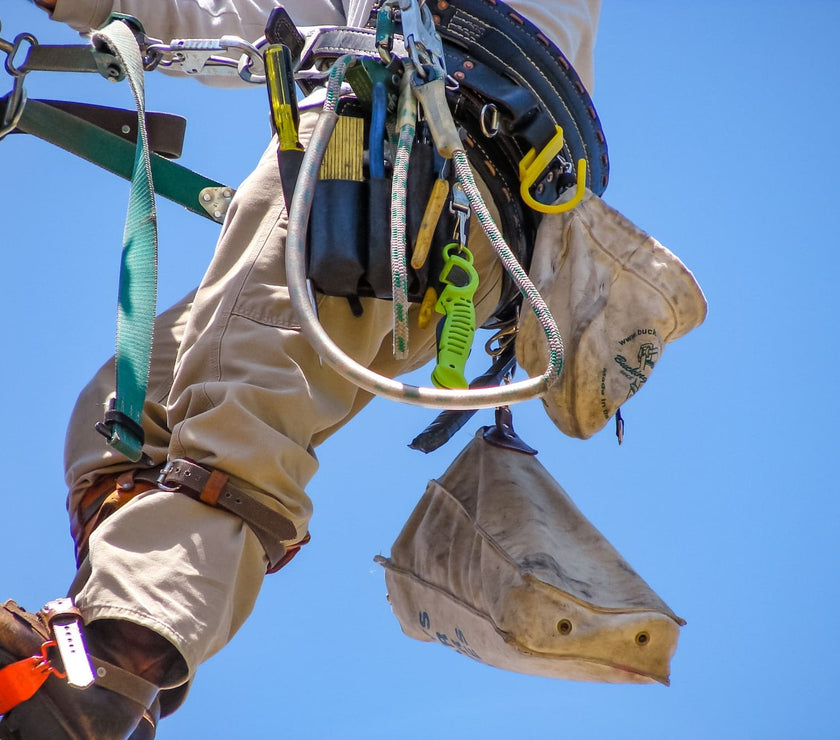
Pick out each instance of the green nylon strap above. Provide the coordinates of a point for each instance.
(113, 153)
(138, 267)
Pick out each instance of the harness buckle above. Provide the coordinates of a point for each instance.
(65, 620)
(161, 479)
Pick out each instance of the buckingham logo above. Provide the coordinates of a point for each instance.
(645, 358)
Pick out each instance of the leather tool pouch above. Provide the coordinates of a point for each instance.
(349, 236)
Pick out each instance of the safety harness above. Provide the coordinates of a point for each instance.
(488, 83)
(468, 90)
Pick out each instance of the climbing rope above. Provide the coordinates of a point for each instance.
(511, 264)
(406, 125)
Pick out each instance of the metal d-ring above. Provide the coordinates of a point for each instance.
(13, 52)
(489, 120)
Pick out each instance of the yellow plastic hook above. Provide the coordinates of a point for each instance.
(533, 165)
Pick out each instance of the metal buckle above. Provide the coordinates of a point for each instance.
(16, 99)
(161, 479)
(64, 620)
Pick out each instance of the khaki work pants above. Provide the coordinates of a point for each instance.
(234, 386)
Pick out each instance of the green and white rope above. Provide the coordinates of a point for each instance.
(336, 78)
(406, 125)
(512, 266)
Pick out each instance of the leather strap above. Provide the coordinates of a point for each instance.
(166, 131)
(108, 675)
(213, 488)
(485, 40)
(120, 681)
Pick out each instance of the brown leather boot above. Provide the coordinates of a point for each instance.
(121, 703)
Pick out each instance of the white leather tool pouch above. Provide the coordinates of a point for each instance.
(497, 563)
(618, 297)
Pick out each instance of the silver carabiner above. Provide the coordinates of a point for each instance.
(16, 99)
(200, 57)
(421, 38)
(504, 336)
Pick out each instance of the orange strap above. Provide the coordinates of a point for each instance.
(19, 681)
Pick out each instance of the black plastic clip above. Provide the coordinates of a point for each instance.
(113, 417)
(503, 435)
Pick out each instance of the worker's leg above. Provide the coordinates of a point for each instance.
(90, 464)
(58, 710)
(250, 398)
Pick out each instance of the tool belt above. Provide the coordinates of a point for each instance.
(510, 90)
(349, 235)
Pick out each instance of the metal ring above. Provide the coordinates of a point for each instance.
(10, 57)
(489, 128)
(244, 66)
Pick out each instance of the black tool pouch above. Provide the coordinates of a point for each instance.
(349, 235)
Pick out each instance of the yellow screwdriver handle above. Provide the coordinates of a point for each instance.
(431, 216)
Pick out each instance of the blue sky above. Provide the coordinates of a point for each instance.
(720, 118)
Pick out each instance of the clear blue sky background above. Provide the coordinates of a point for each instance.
(721, 118)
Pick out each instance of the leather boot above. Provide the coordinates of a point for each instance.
(122, 702)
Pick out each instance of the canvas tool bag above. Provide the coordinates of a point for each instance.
(618, 297)
(497, 563)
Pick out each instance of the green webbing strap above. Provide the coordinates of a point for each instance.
(115, 154)
(138, 268)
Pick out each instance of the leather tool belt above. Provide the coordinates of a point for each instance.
(501, 63)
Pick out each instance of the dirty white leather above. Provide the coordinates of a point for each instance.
(618, 297)
(497, 563)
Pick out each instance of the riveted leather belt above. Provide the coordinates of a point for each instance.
(215, 489)
(501, 61)
(498, 57)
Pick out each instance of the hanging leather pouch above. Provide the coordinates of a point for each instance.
(497, 563)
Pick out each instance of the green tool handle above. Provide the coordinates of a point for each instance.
(456, 329)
